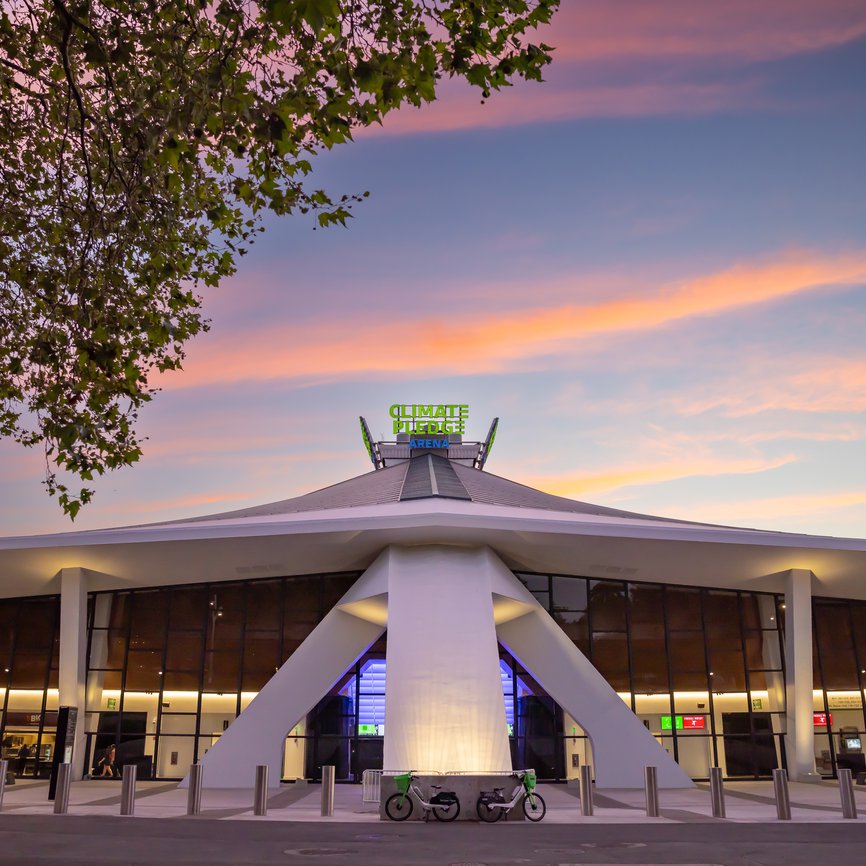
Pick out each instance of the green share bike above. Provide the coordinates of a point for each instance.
(443, 804)
(492, 805)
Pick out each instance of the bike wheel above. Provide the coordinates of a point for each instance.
(486, 814)
(447, 813)
(534, 807)
(398, 807)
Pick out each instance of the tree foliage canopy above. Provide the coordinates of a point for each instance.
(141, 141)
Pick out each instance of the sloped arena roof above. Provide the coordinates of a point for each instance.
(429, 499)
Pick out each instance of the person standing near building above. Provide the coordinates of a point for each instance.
(105, 768)
(23, 755)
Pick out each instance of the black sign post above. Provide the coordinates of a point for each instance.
(63, 744)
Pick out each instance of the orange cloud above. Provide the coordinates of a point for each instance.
(744, 30)
(460, 107)
(495, 342)
(773, 507)
(578, 486)
(828, 385)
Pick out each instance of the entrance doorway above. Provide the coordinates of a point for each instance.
(750, 744)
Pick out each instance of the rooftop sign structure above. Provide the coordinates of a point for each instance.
(430, 418)
(420, 428)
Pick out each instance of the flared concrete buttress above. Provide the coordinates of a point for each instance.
(445, 607)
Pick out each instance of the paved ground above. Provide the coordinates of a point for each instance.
(295, 833)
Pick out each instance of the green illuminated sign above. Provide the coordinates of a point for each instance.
(367, 730)
(667, 723)
(433, 418)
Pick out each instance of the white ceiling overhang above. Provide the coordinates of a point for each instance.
(350, 538)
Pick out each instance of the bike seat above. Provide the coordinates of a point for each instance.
(436, 787)
(499, 790)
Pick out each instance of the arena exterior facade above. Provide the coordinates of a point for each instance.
(430, 615)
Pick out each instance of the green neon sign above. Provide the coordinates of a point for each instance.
(429, 418)
(667, 723)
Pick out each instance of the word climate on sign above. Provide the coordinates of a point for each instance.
(432, 419)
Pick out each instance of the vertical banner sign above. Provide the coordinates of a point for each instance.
(65, 740)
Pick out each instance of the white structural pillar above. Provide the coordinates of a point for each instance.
(800, 737)
(73, 654)
(444, 708)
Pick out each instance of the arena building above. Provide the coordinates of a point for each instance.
(431, 615)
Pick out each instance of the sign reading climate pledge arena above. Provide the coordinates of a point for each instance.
(429, 420)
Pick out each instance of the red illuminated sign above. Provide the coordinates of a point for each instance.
(820, 720)
(694, 723)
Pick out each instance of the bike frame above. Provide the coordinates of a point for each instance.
(521, 789)
(414, 790)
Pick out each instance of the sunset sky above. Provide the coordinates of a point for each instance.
(652, 268)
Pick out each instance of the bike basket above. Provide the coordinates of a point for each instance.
(402, 782)
(529, 781)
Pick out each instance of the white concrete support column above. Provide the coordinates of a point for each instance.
(444, 708)
(800, 736)
(73, 654)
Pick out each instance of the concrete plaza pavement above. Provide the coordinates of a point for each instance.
(294, 832)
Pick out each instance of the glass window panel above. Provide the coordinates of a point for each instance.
(722, 615)
(689, 681)
(534, 582)
(183, 650)
(107, 648)
(333, 588)
(858, 616)
(112, 609)
(569, 593)
(727, 672)
(180, 680)
(175, 754)
(607, 605)
(835, 645)
(29, 670)
(750, 611)
(261, 658)
(177, 723)
(683, 608)
(687, 652)
(226, 618)
(143, 670)
(36, 624)
(7, 629)
(649, 665)
(148, 620)
(610, 657)
(302, 600)
(189, 607)
(222, 671)
(53, 678)
(264, 599)
(576, 625)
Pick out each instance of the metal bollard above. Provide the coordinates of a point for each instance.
(260, 804)
(586, 790)
(717, 792)
(193, 796)
(4, 768)
(783, 801)
(61, 795)
(127, 789)
(846, 791)
(652, 792)
(327, 791)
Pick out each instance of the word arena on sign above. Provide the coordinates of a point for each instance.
(432, 419)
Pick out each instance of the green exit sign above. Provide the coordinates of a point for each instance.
(668, 723)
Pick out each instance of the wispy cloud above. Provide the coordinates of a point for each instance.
(775, 507)
(459, 345)
(616, 478)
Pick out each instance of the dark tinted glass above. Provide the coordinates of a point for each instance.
(607, 605)
(35, 628)
(183, 650)
(264, 600)
(569, 593)
(189, 607)
(683, 608)
(148, 620)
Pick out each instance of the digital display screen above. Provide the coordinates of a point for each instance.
(851, 743)
(371, 730)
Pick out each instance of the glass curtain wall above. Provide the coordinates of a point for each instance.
(169, 669)
(29, 657)
(839, 671)
(702, 668)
